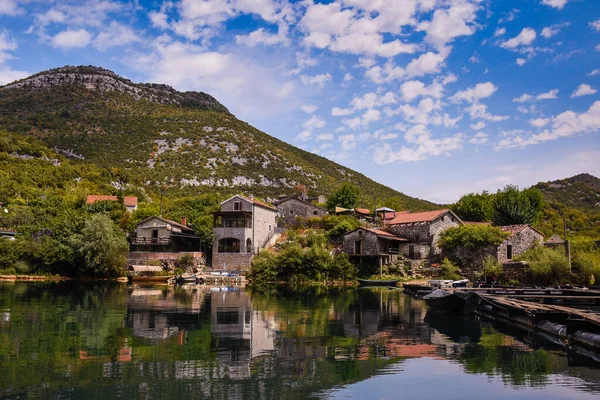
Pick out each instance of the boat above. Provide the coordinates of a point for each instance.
(149, 278)
(447, 302)
(447, 283)
(187, 279)
(223, 273)
(375, 282)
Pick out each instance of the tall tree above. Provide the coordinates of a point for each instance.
(346, 196)
(474, 207)
(513, 206)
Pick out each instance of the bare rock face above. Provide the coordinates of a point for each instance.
(103, 80)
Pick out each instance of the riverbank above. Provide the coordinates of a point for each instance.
(53, 278)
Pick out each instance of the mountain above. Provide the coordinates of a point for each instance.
(574, 200)
(579, 191)
(152, 135)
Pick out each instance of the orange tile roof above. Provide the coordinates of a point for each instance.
(362, 210)
(407, 218)
(129, 201)
(385, 234)
(476, 223)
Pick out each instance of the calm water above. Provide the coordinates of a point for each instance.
(68, 341)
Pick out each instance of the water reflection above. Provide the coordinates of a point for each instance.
(102, 341)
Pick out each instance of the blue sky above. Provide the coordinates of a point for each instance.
(434, 98)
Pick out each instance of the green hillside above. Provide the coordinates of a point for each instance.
(152, 136)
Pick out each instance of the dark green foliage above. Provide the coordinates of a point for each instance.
(491, 268)
(471, 237)
(449, 270)
(474, 207)
(346, 196)
(101, 248)
(513, 206)
(548, 266)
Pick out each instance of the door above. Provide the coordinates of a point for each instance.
(411, 252)
(358, 247)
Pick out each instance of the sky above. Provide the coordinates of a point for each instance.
(434, 98)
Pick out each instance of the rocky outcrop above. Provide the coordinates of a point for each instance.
(103, 80)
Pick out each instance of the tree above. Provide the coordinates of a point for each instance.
(101, 247)
(512, 206)
(346, 196)
(474, 207)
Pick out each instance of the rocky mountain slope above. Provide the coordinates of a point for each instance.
(579, 191)
(152, 135)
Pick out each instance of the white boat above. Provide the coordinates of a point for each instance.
(447, 283)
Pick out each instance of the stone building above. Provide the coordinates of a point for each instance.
(130, 202)
(423, 231)
(157, 238)
(521, 238)
(376, 244)
(242, 228)
(291, 207)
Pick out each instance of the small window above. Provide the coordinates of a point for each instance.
(237, 206)
(269, 228)
(291, 212)
(509, 254)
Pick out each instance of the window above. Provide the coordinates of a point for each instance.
(234, 223)
(291, 212)
(358, 247)
(509, 254)
(315, 213)
(229, 245)
(269, 228)
(237, 206)
(154, 233)
(249, 245)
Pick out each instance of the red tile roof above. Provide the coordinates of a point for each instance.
(257, 202)
(515, 229)
(407, 218)
(168, 221)
(384, 234)
(129, 201)
(362, 210)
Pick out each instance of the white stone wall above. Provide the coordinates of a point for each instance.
(521, 242)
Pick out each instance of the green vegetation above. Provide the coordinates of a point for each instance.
(547, 266)
(449, 270)
(475, 207)
(513, 206)
(345, 196)
(471, 237)
(491, 268)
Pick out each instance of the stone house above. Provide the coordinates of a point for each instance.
(131, 202)
(158, 238)
(291, 207)
(422, 231)
(242, 228)
(370, 243)
(521, 238)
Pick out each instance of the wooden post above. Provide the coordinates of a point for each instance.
(380, 266)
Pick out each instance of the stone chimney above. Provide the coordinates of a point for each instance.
(184, 221)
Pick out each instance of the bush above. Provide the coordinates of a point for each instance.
(491, 268)
(449, 270)
(548, 266)
(471, 237)
(185, 263)
(586, 265)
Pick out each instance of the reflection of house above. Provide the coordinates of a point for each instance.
(423, 231)
(291, 207)
(160, 238)
(242, 228)
(376, 244)
(130, 203)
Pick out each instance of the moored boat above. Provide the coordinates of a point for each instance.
(181, 279)
(149, 278)
(445, 301)
(375, 282)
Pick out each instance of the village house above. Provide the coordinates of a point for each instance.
(130, 202)
(372, 244)
(291, 207)
(422, 231)
(157, 238)
(242, 228)
(521, 238)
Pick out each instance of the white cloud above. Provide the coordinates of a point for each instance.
(548, 95)
(476, 93)
(539, 122)
(523, 98)
(303, 136)
(316, 80)
(479, 138)
(116, 35)
(479, 111)
(500, 32)
(478, 126)
(363, 120)
(10, 8)
(348, 142)
(71, 39)
(555, 3)
(583, 90)
(595, 24)
(262, 36)
(552, 30)
(525, 38)
(566, 124)
(314, 122)
(367, 101)
(325, 136)
(428, 63)
(348, 77)
(521, 61)
(7, 44)
(8, 75)
(309, 108)
(447, 24)
(594, 72)
(423, 146)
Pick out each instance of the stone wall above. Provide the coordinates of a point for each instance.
(167, 259)
(521, 242)
(369, 242)
(232, 261)
(438, 227)
(422, 250)
(144, 229)
(292, 208)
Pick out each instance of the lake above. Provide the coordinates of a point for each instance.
(102, 341)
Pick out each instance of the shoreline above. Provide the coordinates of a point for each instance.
(54, 278)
